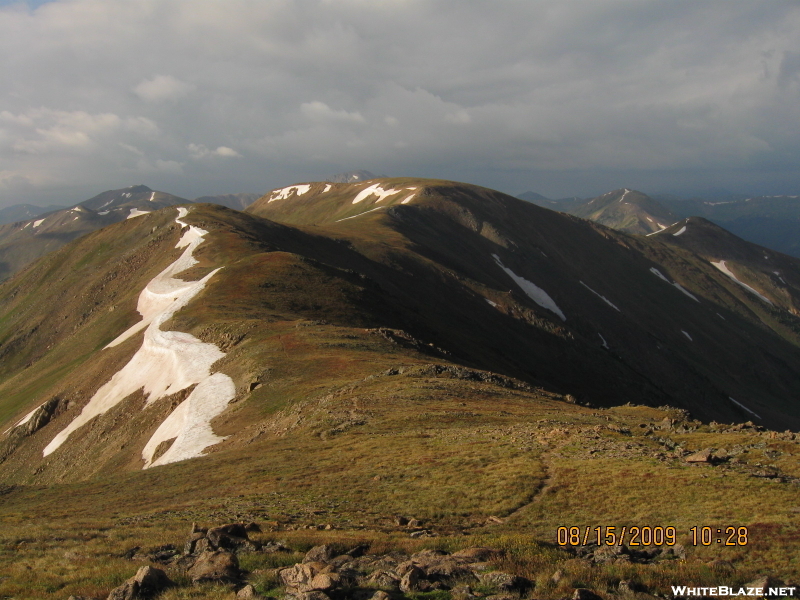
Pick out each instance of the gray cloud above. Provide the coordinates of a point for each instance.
(563, 97)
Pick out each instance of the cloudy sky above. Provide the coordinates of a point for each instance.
(563, 97)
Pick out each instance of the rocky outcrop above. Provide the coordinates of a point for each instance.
(147, 583)
(355, 573)
(215, 565)
(623, 554)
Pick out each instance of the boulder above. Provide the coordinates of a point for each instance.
(191, 542)
(701, 457)
(248, 592)
(231, 537)
(462, 592)
(447, 570)
(505, 582)
(217, 565)
(320, 554)
(585, 594)
(384, 580)
(410, 581)
(604, 554)
(271, 547)
(147, 583)
(308, 577)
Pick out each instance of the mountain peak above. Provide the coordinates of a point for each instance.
(353, 177)
(626, 210)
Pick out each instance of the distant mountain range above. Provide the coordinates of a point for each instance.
(353, 177)
(39, 230)
(22, 242)
(21, 212)
(771, 221)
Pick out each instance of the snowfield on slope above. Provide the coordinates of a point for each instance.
(284, 193)
(533, 291)
(722, 267)
(376, 190)
(167, 362)
(135, 212)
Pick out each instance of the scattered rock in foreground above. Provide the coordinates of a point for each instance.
(147, 583)
(357, 575)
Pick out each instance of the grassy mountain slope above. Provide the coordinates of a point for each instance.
(459, 228)
(385, 362)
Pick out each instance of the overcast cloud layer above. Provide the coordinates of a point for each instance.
(562, 97)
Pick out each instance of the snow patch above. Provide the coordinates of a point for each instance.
(152, 196)
(680, 231)
(683, 290)
(167, 362)
(374, 190)
(359, 214)
(408, 198)
(37, 223)
(190, 422)
(533, 291)
(284, 193)
(490, 302)
(105, 212)
(603, 298)
(740, 405)
(722, 267)
(687, 335)
(327, 188)
(658, 274)
(721, 317)
(135, 212)
(661, 228)
(625, 193)
(182, 212)
(605, 344)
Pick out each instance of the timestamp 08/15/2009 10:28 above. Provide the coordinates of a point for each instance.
(611, 535)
